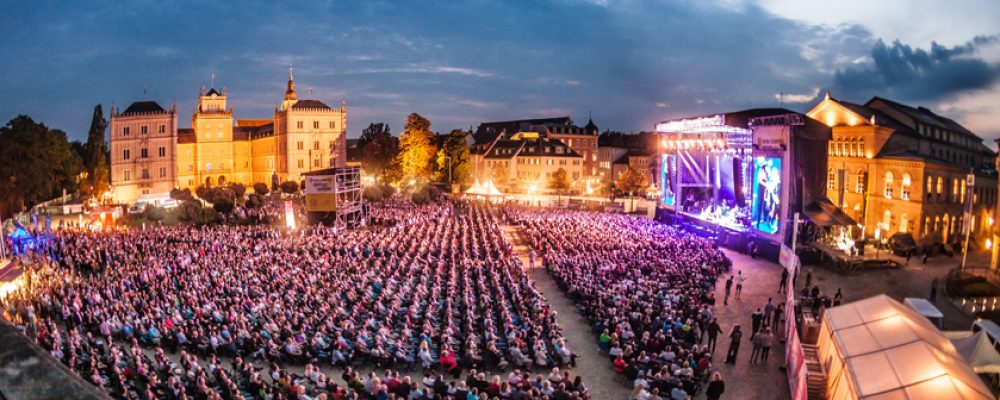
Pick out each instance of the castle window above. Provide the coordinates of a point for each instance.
(144, 152)
(145, 173)
(316, 163)
(163, 128)
(316, 145)
(127, 154)
(163, 151)
(301, 164)
(859, 183)
(300, 145)
(315, 124)
(142, 129)
(127, 174)
(163, 172)
(904, 190)
(333, 125)
(125, 131)
(831, 179)
(888, 184)
(300, 125)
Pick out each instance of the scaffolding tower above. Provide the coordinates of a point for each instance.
(348, 211)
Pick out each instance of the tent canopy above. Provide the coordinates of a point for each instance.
(977, 350)
(891, 352)
(822, 212)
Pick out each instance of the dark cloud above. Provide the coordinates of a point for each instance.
(914, 74)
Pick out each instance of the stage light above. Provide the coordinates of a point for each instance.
(989, 243)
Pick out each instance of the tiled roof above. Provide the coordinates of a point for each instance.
(144, 107)
(309, 104)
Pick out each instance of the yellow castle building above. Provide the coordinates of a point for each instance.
(150, 155)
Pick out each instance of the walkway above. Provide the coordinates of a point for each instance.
(592, 366)
(745, 381)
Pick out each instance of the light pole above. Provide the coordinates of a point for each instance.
(449, 168)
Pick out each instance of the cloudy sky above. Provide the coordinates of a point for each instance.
(628, 63)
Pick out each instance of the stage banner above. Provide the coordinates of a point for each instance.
(766, 204)
(321, 193)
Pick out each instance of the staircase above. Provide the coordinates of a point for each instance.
(815, 375)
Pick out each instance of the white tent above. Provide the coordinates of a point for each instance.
(491, 189)
(476, 188)
(977, 350)
(877, 348)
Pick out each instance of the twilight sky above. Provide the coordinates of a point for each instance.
(630, 63)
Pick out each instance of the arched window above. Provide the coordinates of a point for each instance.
(961, 191)
(903, 223)
(831, 179)
(887, 221)
(940, 185)
(927, 225)
(854, 148)
(861, 148)
(888, 184)
(904, 190)
(937, 223)
(859, 183)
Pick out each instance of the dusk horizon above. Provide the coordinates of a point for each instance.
(626, 64)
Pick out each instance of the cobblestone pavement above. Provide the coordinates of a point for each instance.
(766, 380)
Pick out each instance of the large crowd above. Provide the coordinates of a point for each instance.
(647, 289)
(149, 313)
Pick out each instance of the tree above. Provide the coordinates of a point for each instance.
(416, 148)
(559, 182)
(154, 213)
(181, 194)
(203, 193)
(454, 155)
(223, 205)
(289, 187)
(631, 181)
(238, 190)
(260, 188)
(36, 164)
(378, 150)
(97, 156)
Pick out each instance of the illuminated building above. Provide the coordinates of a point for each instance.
(519, 154)
(150, 155)
(898, 168)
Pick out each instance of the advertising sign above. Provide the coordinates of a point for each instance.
(321, 193)
(770, 137)
(766, 203)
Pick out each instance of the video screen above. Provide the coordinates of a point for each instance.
(766, 211)
(668, 172)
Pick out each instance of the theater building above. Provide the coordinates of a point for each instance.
(151, 155)
(897, 168)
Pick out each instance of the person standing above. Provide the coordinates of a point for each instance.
(934, 289)
(740, 278)
(729, 287)
(766, 341)
(734, 344)
(768, 310)
(783, 285)
(715, 387)
(531, 257)
(838, 298)
(809, 279)
(713, 333)
(755, 319)
(755, 341)
(779, 311)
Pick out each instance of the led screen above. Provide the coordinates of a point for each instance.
(766, 211)
(668, 171)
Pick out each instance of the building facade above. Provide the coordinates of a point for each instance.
(896, 168)
(304, 135)
(519, 161)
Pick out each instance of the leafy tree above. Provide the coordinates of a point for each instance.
(372, 194)
(154, 213)
(417, 148)
(254, 200)
(454, 151)
(223, 205)
(189, 211)
(238, 190)
(181, 194)
(97, 158)
(631, 181)
(204, 193)
(260, 188)
(559, 183)
(36, 164)
(379, 150)
(289, 187)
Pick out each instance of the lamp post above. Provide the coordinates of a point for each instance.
(449, 168)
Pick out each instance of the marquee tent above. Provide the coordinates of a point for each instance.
(977, 350)
(877, 348)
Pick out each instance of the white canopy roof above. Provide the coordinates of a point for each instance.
(895, 353)
(977, 350)
(476, 188)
